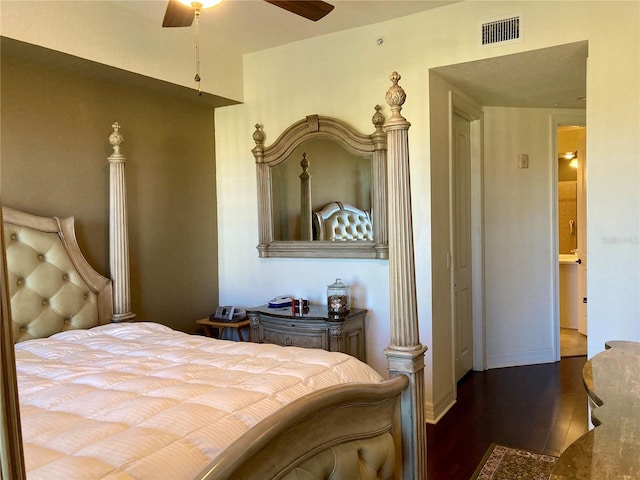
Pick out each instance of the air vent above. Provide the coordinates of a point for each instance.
(500, 31)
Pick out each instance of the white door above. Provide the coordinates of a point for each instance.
(582, 231)
(461, 246)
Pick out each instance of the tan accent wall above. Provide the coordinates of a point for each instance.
(56, 118)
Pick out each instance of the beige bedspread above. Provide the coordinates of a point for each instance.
(142, 401)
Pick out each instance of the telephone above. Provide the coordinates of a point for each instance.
(229, 314)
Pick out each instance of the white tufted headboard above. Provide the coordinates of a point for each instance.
(341, 221)
(52, 287)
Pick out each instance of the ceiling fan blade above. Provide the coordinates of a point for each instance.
(311, 9)
(177, 15)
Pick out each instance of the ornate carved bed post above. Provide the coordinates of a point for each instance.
(378, 176)
(405, 353)
(118, 231)
(11, 455)
(306, 230)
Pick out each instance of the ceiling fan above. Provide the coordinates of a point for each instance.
(182, 13)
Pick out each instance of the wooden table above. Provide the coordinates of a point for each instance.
(209, 325)
(611, 450)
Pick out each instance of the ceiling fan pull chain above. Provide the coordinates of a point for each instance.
(178, 14)
(197, 77)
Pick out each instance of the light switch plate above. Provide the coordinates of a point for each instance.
(523, 160)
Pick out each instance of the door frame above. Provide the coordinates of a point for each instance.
(556, 120)
(468, 109)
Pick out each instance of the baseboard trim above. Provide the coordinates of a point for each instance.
(433, 412)
(515, 359)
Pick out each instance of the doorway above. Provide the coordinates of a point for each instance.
(498, 87)
(465, 219)
(571, 233)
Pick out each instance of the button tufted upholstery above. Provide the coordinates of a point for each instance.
(341, 221)
(370, 459)
(48, 294)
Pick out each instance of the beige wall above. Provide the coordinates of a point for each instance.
(519, 306)
(55, 127)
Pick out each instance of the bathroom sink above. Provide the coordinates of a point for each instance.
(566, 258)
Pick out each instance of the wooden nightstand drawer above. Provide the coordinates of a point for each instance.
(296, 337)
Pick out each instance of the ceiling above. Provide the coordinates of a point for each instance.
(553, 77)
(251, 25)
(547, 78)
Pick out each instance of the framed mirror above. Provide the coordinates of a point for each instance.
(322, 190)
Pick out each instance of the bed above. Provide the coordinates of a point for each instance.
(142, 401)
(105, 397)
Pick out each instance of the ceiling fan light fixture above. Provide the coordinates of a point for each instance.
(200, 4)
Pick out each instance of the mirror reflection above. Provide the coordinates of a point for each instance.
(334, 176)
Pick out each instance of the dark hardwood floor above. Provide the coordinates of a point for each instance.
(540, 408)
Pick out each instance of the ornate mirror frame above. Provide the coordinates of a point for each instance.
(372, 146)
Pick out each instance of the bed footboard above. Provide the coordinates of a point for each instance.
(353, 429)
(359, 459)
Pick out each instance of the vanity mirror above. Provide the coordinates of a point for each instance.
(322, 190)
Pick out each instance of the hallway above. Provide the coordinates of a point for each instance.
(572, 343)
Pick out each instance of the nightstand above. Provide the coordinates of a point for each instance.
(209, 325)
(315, 329)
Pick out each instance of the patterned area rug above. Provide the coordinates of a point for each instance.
(504, 463)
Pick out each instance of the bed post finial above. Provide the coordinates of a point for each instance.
(306, 223)
(395, 97)
(116, 139)
(118, 231)
(378, 178)
(405, 352)
(378, 117)
(258, 137)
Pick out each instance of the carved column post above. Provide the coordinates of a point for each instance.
(337, 338)
(118, 231)
(405, 353)
(11, 455)
(306, 229)
(378, 176)
(265, 223)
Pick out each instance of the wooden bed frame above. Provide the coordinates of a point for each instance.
(309, 433)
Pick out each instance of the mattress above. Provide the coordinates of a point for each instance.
(142, 401)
